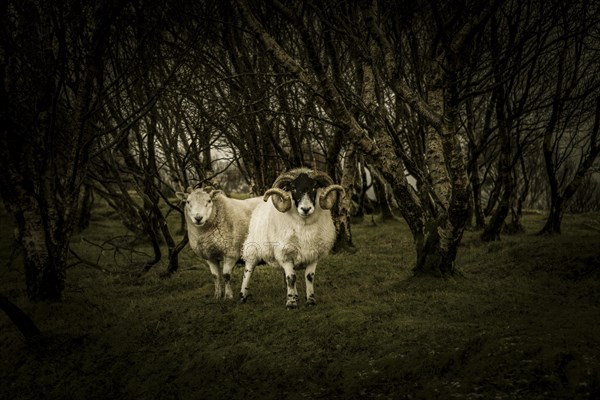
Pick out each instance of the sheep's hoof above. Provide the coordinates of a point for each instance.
(243, 298)
(311, 301)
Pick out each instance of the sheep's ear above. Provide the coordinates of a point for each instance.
(329, 196)
(181, 195)
(215, 193)
(281, 199)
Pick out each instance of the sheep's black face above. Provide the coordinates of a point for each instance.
(304, 192)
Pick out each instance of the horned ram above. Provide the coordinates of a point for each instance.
(293, 230)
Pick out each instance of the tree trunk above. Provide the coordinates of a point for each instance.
(476, 190)
(516, 225)
(343, 210)
(492, 230)
(434, 258)
(174, 254)
(553, 222)
(85, 209)
(44, 253)
(505, 182)
(379, 186)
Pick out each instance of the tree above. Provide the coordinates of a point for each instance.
(63, 65)
(51, 74)
(574, 118)
(437, 231)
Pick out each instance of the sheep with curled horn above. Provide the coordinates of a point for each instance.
(217, 226)
(293, 230)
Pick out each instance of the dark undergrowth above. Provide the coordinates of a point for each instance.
(521, 321)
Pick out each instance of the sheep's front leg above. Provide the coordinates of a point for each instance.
(309, 275)
(228, 264)
(248, 268)
(215, 270)
(292, 292)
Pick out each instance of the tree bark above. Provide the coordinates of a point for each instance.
(44, 256)
(343, 210)
(174, 254)
(381, 192)
(477, 210)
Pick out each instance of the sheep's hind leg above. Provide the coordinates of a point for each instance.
(228, 264)
(215, 270)
(248, 268)
(309, 274)
(292, 292)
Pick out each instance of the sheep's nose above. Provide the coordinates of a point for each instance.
(305, 210)
(197, 219)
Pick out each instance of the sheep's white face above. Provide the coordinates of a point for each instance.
(306, 206)
(199, 207)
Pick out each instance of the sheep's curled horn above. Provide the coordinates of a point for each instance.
(283, 200)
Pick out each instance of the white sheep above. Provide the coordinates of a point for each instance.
(217, 226)
(292, 237)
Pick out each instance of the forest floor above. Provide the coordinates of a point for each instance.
(521, 321)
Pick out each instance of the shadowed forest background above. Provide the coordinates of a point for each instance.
(465, 135)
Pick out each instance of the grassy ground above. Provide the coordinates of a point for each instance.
(522, 321)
